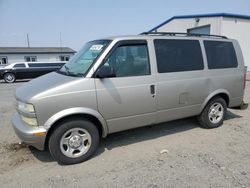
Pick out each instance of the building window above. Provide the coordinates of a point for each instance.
(200, 30)
(64, 58)
(30, 58)
(3, 60)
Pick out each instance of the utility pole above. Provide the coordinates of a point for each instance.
(61, 45)
(28, 40)
(61, 41)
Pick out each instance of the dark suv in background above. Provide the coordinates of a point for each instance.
(27, 70)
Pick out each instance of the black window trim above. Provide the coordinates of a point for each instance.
(202, 54)
(126, 43)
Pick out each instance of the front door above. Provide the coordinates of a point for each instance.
(127, 100)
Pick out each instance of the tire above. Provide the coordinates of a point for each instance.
(210, 117)
(74, 141)
(9, 77)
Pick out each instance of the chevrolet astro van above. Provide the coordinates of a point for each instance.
(119, 83)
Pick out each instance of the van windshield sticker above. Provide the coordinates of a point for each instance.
(96, 47)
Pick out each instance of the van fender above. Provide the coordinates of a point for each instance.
(77, 110)
(214, 93)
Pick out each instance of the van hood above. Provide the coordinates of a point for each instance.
(44, 86)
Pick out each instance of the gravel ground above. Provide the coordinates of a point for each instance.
(173, 154)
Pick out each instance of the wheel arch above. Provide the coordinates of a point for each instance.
(218, 93)
(90, 114)
(7, 71)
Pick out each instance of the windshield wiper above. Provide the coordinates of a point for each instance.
(67, 69)
(79, 74)
(68, 73)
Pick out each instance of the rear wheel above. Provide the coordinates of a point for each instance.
(9, 77)
(74, 141)
(213, 114)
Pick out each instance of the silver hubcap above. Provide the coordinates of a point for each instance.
(75, 142)
(9, 77)
(215, 113)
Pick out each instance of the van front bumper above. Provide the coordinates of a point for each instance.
(34, 136)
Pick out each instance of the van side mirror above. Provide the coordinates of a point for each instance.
(105, 72)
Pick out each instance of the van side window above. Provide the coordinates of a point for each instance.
(129, 60)
(220, 54)
(178, 55)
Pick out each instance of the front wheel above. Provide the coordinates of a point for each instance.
(9, 77)
(74, 141)
(213, 114)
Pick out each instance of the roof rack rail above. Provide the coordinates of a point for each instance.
(182, 34)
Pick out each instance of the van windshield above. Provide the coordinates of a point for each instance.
(81, 62)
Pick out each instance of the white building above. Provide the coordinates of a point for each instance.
(230, 25)
(10, 55)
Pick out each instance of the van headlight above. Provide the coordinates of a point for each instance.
(25, 107)
(27, 113)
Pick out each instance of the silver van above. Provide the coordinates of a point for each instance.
(120, 83)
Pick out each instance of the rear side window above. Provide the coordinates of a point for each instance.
(178, 55)
(220, 54)
(45, 65)
(21, 65)
(35, 65)
(58, 64)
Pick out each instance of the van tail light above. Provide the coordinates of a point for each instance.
(243, 104)
(245, 79)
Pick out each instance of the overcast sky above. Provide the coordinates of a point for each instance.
(82, 20)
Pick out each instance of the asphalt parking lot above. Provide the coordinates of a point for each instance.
(173, 154)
